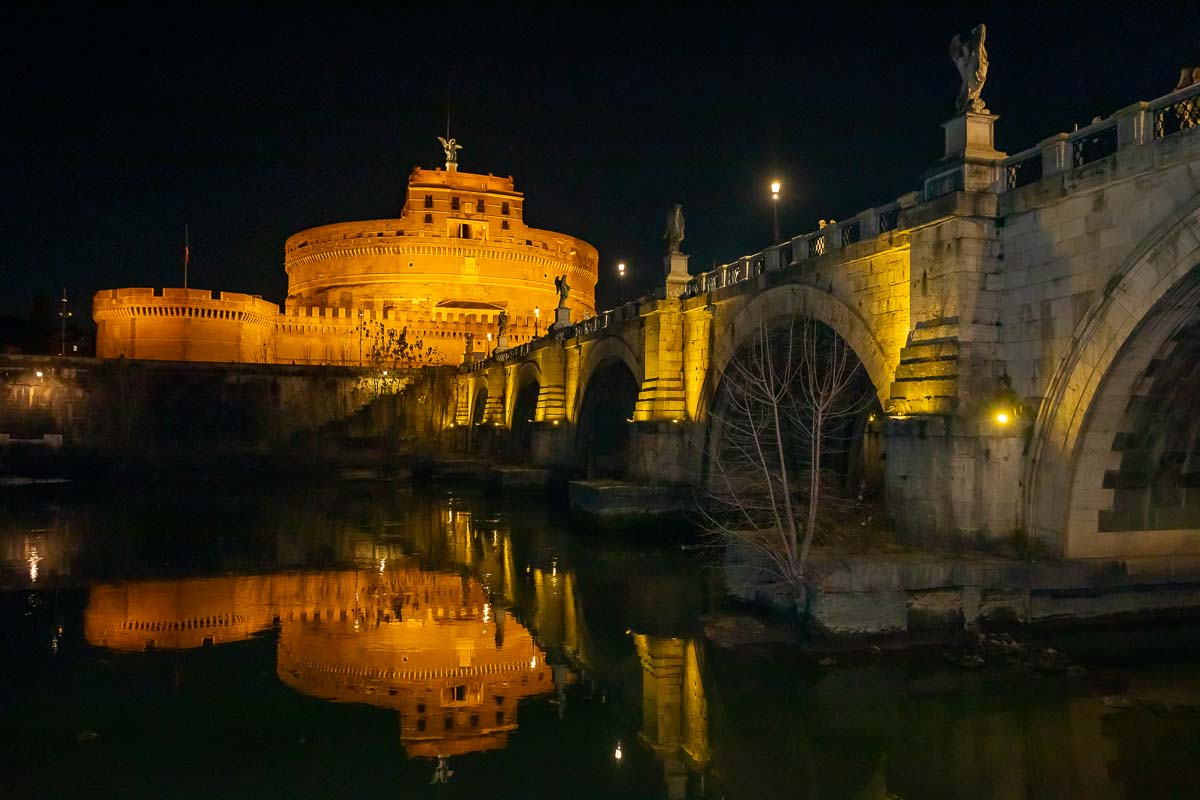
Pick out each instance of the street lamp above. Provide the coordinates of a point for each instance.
(621, 283)
(489, 346)
(64, 314)
(775, 187)
(537, 318)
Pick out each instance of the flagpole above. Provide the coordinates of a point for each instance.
(186, 254)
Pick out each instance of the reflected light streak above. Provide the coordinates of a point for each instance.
(34, 558)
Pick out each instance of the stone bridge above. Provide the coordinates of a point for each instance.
(1030, 324)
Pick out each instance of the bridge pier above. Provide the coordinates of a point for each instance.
(944, 484)
(551, 445)
(661, 453)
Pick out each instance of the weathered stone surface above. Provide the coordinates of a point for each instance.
(940, 610)
(607, 498)
(520, 478)
(858, 613)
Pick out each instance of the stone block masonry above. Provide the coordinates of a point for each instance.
(1013, 316)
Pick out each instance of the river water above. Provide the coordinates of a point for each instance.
(357, 639)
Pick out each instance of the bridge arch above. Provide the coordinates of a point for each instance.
(479, 398)
(604, 417)
(798, 300)
(1147, 320)
(854, 450)
(522, 411)
(601, 353)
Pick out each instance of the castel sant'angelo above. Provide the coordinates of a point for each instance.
(458, 256)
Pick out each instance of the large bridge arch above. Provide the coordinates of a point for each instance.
(1075, 452)
(858, 461)
(602, 352)
(798, 300)
(603, 434)
(522, 408)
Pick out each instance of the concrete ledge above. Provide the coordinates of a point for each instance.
(858, 613)
(609, 498)
(520, 479)
(903, 593)
(454, 470)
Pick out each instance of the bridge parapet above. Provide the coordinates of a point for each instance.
(1156, 122)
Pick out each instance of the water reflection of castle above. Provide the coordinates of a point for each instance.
(427, 644)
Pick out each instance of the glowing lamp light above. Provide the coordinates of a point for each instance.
(621, 269)
(1002, 418)
(39, 373)
(617, 754)
(775, 187)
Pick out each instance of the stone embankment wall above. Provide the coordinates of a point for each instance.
(939, 594)
(178, 413)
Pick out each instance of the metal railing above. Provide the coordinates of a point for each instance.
(1023, 172)
(1094, 146)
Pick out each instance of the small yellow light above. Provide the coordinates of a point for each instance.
(775, 187)
(1002, 418)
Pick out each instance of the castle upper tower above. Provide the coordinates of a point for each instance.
(458, 254)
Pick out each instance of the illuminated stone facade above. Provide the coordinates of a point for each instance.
(458, 254)
(1028, 324)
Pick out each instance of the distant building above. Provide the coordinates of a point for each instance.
(458, 254)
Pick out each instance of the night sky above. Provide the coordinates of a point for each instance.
(120, 126)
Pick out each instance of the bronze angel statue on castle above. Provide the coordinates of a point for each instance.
(451, 147)
(971, 59)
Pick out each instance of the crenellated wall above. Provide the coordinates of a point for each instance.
(183, 325)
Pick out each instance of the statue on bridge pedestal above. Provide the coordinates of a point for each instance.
(971, 59)
(502, 324)
(674, 233)
(563, 289)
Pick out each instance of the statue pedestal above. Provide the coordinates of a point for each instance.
(676, 267)
(562, 318)
(972, 136)
(971, 162)
(501, 342)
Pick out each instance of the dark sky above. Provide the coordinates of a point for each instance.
(250, 124)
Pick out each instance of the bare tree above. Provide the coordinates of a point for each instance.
(388, 351)
(781, 412)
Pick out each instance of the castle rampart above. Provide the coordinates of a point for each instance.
(183, 325)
